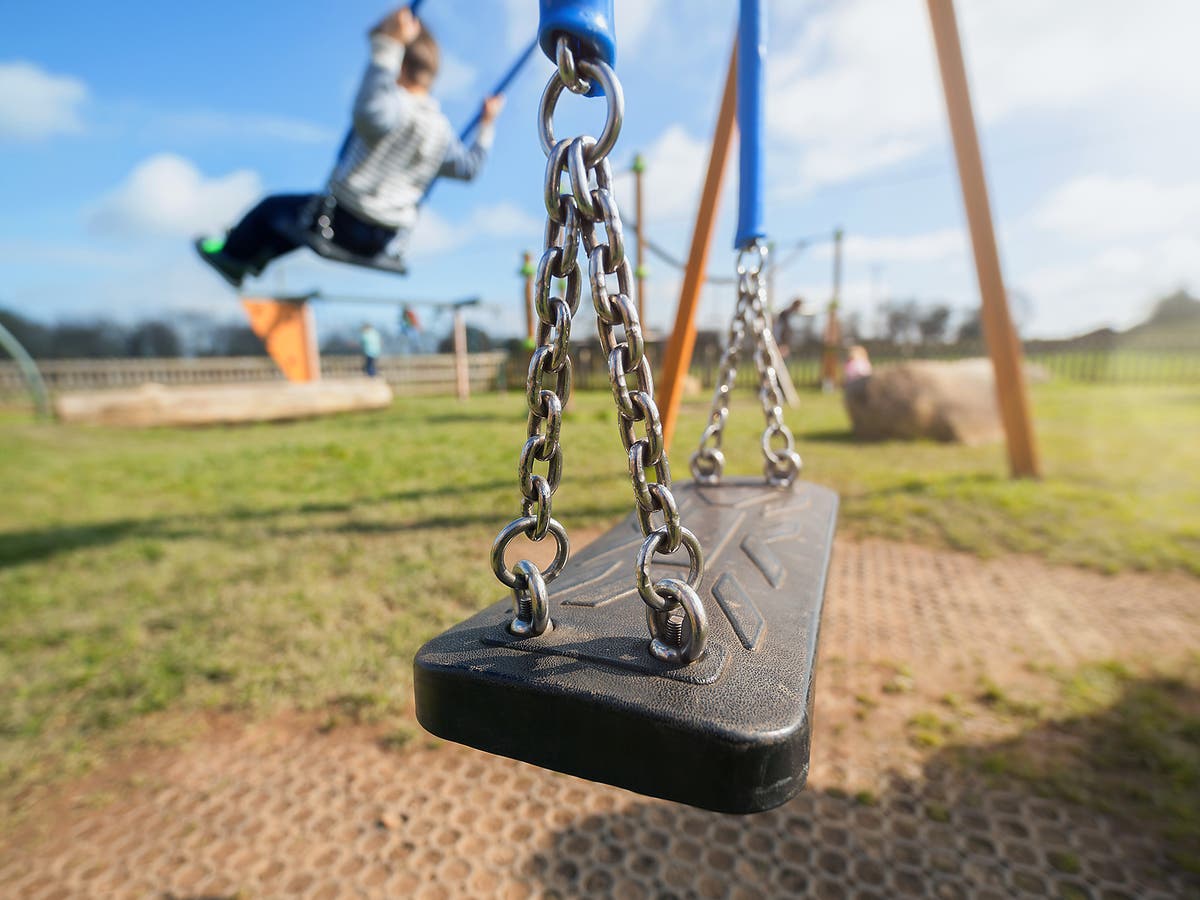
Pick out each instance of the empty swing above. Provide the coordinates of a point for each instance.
(702, 692)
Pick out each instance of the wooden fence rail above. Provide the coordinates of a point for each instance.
(407, 375)
(434, 374)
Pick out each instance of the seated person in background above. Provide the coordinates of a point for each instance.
(400, 143)
(858, 364)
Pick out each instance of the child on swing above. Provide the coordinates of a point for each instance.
(401, 142)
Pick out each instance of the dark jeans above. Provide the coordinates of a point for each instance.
(276, 227)
(369, 368)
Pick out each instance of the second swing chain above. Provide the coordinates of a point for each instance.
(782, 463)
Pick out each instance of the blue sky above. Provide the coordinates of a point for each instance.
(125, 128)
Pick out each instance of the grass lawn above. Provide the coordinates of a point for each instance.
(300, 565)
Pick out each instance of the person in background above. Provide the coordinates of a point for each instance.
(372, 347)
(785, 326)
(858, 364)
(401, 142)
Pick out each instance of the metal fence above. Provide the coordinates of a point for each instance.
(407, 375)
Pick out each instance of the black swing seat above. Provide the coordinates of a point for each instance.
(323, 247)
(305, 232)
(729, 733)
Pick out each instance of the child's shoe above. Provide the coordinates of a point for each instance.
(212, 251)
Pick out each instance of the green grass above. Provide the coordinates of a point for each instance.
(300, 565)
(1122, 741)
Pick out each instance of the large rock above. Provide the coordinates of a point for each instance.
(945, 401)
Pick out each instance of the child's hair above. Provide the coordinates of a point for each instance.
(421, 59)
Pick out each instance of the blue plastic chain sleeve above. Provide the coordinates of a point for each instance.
(752, 52)
(588, 24)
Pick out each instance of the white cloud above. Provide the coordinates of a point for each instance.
(675, 163)
(502, 220)
(226, 126)
(634, 18)
(521, 19)
(435, 235)
(1111, 287)
(1104, 207)
(931, 246)
(857, 90)
(455, 77)
(37, 104)
(166, 195)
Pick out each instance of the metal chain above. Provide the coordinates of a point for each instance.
(675, 615)
(782, 464)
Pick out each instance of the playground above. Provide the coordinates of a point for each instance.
(868, 594)
(224, 649)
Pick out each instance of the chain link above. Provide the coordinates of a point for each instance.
(586, 214)
(782, 463)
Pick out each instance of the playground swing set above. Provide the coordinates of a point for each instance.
(702, 693)
(713, 707)
(666, 697)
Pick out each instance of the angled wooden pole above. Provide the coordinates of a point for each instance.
(1003, 346)
(683, 336)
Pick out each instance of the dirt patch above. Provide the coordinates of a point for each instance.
(923, 652)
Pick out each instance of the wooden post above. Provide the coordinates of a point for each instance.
(838, 234)
(528, 271)
(832, 337)
(639, 167)
(462, 372)
(1003, 346)
(683, 336)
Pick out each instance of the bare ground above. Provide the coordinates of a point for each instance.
(910, 635)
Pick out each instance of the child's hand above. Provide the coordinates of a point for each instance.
(492, 107)
(400, 25)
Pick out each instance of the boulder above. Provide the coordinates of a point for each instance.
(943, 401)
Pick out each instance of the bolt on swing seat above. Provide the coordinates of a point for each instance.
(716, 710)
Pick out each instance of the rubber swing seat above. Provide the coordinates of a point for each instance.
(730, 732)
(329, 250)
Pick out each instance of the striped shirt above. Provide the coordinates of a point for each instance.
(400, 143)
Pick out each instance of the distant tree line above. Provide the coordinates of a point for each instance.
(190, 335)
(905, 323)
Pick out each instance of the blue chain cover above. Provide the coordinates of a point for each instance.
(752, 52)
(588, 24)
(730, 732)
